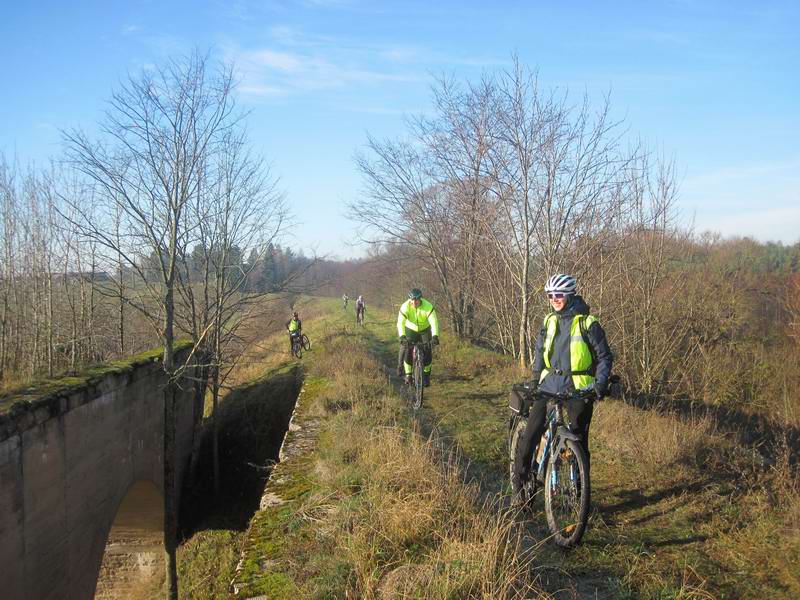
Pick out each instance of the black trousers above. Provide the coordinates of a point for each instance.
(579, 413)
(415, 337)
(292, 335)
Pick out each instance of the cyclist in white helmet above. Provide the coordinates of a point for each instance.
(361, 308)
(572, 354)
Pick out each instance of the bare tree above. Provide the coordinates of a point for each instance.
(428, 193)
(240, 212)
(146, 171)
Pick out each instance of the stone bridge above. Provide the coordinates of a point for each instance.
(81, 480)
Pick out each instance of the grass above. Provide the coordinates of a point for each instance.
(370, 503)
(682, 508)
(372, 508)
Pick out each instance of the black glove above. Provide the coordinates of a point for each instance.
(403, 340)
(435, 340)
(600, 391)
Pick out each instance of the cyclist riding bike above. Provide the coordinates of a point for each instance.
(344, 301)
(571, 354)
(295, 327)
(361, 306)
(416, 322)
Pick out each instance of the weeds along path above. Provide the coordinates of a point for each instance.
(680, 510)
(360, 506)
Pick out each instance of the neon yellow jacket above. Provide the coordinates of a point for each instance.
(580, 355)
(417, 319)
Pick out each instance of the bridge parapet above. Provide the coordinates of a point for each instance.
(70, 450)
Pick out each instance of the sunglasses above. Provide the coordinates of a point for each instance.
(556, 295)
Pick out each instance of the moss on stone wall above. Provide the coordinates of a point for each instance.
(69, 383)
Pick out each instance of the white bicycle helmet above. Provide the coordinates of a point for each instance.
(566, 284)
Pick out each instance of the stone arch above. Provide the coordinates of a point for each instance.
(133, 560)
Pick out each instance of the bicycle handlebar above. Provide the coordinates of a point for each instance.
(584, 394)
(420, 343)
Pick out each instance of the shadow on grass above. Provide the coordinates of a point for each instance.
(634, 499)
(764, 435)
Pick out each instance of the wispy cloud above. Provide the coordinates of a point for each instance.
(270, 72)
(296, 61)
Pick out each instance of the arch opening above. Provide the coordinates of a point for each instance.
(133, 560)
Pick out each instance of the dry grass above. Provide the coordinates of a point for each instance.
(406, 522)
(766, 545)
(750, 513)
(652, 441)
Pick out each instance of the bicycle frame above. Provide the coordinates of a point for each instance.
(558, 432)
(562, 467)
(296, 342)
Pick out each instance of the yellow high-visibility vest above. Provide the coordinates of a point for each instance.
(580, 355)
(417, 319)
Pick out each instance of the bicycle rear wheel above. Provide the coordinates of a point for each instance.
(566, 494)
(297, 348)
(419, 387)
(305, 342)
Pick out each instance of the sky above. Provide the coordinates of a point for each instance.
(713, 85)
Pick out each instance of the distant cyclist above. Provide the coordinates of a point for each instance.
(295, 327)
(361, 307)
(571, 354)
(416, 322)
(345, 299)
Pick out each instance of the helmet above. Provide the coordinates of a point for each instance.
(415, 294)
(294, 314)
(359, 298)
(566, 284)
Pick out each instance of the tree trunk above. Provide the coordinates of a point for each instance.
(215, 443)
(170, 479)
(170, 496)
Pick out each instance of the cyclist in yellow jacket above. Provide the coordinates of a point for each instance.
(416, 322)
(294, 327)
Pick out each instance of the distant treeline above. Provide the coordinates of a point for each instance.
(262, 271)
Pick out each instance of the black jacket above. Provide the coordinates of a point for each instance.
(560, 359)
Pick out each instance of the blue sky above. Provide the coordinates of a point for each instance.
(714, 84)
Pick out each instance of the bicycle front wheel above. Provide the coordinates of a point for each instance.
(297, 349)
(566, 494)
(306, 343)
(418, 381)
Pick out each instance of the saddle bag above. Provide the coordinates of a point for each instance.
(520, 400)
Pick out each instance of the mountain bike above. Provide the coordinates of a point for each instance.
(300, 343)
(562, 466)
(418, 351)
